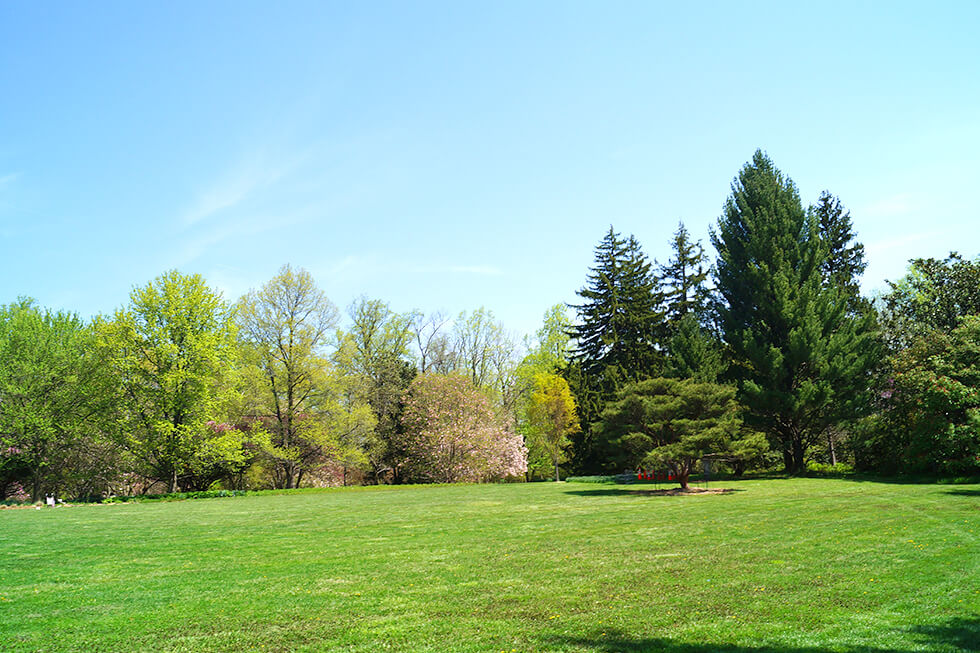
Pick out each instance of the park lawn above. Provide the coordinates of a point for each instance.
(793, 566)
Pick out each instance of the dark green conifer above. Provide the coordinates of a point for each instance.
(799, 355)
(844, 263)
(683, 280)
(617, 336)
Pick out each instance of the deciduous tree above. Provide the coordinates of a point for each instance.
(552, 416)
(453, 433)
(172, 350)
(50, 386)
(287, 326)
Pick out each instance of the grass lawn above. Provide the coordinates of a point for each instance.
(792, 566)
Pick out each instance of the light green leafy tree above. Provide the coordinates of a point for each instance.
(313, 412)
(373, 354)
(49, 389)
(552, 417)
(173, 352)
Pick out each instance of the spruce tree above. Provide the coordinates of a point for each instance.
(844, 263)
(617, 336)
(619, 324)
(798, 355)
(683, 280)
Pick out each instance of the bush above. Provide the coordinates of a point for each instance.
(176, 496)
(822, 469)
(616, 478)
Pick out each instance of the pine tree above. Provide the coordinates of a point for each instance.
(694, 352)
(798, 354)
(683, 280)
(617, 336)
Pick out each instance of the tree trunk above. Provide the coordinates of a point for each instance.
(830, 445)
(557, 478)
(173, 480)
(798, 454)
(788, 459)
(36, 489)
(682, 478)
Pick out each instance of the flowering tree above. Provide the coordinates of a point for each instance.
(452, 433)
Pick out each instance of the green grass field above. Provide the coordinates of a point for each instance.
(791, 566)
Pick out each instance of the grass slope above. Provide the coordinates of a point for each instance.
(792, 566)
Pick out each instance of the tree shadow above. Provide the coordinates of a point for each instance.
(667, 492)
(964, 492)
(954, 635)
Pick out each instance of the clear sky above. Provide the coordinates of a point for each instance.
(455, 155)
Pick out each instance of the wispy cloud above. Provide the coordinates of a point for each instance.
(895, 205)
(239, 184)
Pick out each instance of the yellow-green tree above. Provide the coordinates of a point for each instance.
(552, 416)
(314, 413)
(172, 351)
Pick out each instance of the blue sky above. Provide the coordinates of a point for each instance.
(446, 156)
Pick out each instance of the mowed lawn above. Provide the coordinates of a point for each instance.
(791, 566)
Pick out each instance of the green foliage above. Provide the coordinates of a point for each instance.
(670, 423)
(694, 352)
(552, 417)
(176, 496)
(173, 354)
(844, 262)
(930, 418)
(314, 413)
(373, 357)
(934, 294)
(822, 469)
(616, 337)
(50, 389)
(800, 357)
(683, 281)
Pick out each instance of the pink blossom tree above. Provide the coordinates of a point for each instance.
(454, 434)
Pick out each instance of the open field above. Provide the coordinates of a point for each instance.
(793, 566)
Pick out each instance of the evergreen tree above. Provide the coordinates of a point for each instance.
(617, 336)
(844, 263)
(694, 352)
(799, 356)
(619, 325)
(683, 280)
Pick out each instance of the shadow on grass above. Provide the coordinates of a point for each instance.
(668, 492)
(954, 635)
(964, 492)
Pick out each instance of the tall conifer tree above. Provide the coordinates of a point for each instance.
(683, 280)
(798, 354)
(616, 337)
(844, 263)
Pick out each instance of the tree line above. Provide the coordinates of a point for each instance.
(181, 391)
(768, 355)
